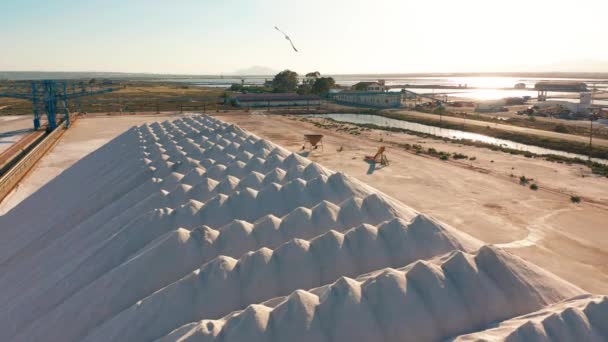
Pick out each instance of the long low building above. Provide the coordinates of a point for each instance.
(570, 86)
(275, 100)
(369, 99)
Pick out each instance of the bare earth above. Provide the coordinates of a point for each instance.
(479, 197)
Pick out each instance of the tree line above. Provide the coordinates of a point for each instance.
(287, 81)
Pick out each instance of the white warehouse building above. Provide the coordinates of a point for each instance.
(369, 99)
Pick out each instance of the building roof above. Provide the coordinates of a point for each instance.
(276, 97)
(366, 83)
(561, 85)
(358, 92)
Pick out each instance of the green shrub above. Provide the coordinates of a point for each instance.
(523, 180)
(561, 128)
(575, 199)
(534, 187)
(444, 156)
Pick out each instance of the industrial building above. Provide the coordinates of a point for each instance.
(370, 86)
(369, 99)
(275, 100)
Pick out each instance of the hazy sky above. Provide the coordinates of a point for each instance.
(334, 36)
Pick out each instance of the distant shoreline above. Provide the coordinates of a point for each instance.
(29, 75)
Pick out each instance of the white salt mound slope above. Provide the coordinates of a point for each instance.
(582, 318)
(189, 220)
(424, 301)
(225, 284)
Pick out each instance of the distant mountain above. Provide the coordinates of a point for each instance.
(255, 70)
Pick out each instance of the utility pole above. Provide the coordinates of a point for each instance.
(590, 136)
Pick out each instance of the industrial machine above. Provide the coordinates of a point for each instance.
(50, 97)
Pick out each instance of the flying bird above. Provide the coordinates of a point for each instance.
(287, 37)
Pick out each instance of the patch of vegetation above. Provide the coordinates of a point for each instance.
(575, 199)
(533, 186)
(523, 180)
(596, 168)
(522, 138)
(561, 128)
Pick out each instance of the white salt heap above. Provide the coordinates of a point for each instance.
(193, 220)
(425, 301)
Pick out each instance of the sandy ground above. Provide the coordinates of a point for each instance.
(13, 128)
(479, 197)
(85, 136)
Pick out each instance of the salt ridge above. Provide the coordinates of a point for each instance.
(582, 318)
(425, 301)
(225, 284)
(179, 194)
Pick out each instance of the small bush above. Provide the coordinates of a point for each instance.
(473, 158)
(575, 199)
(444, 156)
(561, 128)
(534, 187)
(528, 155)
(523, 180)
(459, 156)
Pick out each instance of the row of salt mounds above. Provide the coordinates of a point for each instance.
(164, 170)
(134, 196)
(92, 233)
(225, 284)
(425, 301)
(583, 318)
(179, 252)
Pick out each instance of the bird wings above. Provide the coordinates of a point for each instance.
(287, 37)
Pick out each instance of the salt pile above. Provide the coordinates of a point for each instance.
(582, 318)
(424, 301)
(195, 219)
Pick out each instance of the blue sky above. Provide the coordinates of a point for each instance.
(339, 36)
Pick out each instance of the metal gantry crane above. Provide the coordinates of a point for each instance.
(51, 97)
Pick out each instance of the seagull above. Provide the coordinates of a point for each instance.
(287, 37)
